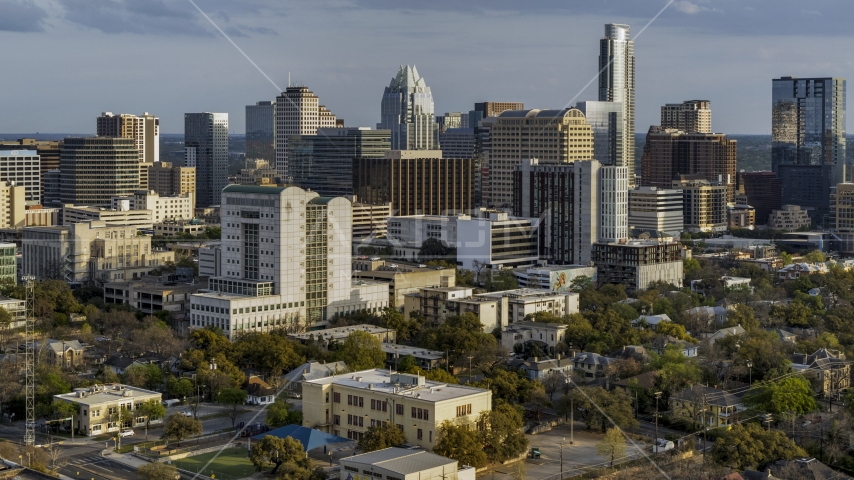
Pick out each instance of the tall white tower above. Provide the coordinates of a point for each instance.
(407, 110)
(617, 84)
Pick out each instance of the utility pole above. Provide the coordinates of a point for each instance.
(750, 369)
(704, 429)
(563, 440)
(655, 442)
(470, 357)
(29, 368)
(571, 420)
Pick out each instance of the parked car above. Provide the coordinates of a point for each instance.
(187, 413)
(126, 433)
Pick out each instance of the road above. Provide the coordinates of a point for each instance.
(88, 463)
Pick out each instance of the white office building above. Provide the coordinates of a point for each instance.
(22, 168)
(285, 263)
(658, 209)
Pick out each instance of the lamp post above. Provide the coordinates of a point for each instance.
(657, 396)
(212, 366)
(563, 441)
(470, 357)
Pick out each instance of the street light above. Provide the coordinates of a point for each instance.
(750, 368)
(562, 443)
(470, 357)
(657, 396)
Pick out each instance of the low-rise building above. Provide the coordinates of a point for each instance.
(539, 368)
(636, 264)
(210, 257)
(17, 308)
(715, 315)
(403, 464)
(72, 214)
(703, 203)
(153, 294)
(61, 353)
(705, 405)
(790, 218)
(796, 270)
(829, 367)
(656, 209)
(589, 366)
(741, 216)
(402, 278)
(659, 344)
(725, 332)
(174, 228)
(426, 359)
(651, 321)
(163, 208)
(258, 392)
(370, 221)
(557, 278)
(311, 371)
(347, 405)
(99, 407)
(523, 302)
(339, 334)
(544, 335)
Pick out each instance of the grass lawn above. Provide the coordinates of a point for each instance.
(231, 464)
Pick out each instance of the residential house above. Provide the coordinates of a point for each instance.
(310, 370)
(259, 392)
(651, 321)
(339, 334)
(702, 404)
(635, 352)
(716, 315)
(62, 353)
(544, 335)
(785, 335)
(403, 464)
(795, 270)
(591, 366)
(660, 343)
(802, 469)
(119, 363)
(539, 368)
(644, 381)
(725, 332)
(828, 367)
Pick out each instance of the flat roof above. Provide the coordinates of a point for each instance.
(253, 189)
(417, 352)
(19, 153)
(107, 393)
(379, 380)
(340, 332)
(523, 293)
(401, 460)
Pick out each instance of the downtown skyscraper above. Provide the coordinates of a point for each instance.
(298, 112)
(617, 84)
(206, 140)
(407, 110)
(808, 140)
(144, 130)
(261, 131)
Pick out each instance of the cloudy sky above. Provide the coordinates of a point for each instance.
(65, 61)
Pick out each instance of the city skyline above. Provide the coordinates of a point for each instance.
(171, 48)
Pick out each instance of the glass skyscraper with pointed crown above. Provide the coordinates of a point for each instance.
(407, 110)
(617, 84)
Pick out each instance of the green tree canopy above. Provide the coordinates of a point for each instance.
(500, 432)
(791, 394)
(361, 351)
(461, 444)
(750, 446)
(592, 404)
(281, 413)
(152, 409)
(178, 427)
(380, 436)
(233, 400)
(613, 445)
(270, 450)
(157, 471)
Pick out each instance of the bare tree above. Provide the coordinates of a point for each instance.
(57, 456)
(552, 383)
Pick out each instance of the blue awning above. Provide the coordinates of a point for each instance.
(309, 437)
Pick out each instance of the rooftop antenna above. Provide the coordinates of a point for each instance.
(289, 79)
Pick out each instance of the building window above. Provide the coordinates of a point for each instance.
(399, 409)
(420, 434)
(336, 397)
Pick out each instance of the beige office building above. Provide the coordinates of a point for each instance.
(692, 116)
(298, 112)
(13, 209)
(89, 252)
(257, 172)
(99, 407)
(171, 181)
(144, 130)
(551, 136)
(704, 205)
(347, 405)
(792, 217)
(124, 216)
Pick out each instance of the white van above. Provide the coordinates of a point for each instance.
(171, 402)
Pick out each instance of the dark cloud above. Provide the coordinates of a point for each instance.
(21, 16)
(739, 17)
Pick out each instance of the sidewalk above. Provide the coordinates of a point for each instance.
(125, 458)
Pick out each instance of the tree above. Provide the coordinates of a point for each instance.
(393, 319)
(179, 387)
(380, 436)
(504, 280)
(553, 382)
(461, 444)
(281, 413)
(233, 399)
(592, 404)
(437, 375)
(178, 427)
(275, 450)
(742, 315)
(35, 458)
(579, 283)
(750, 446)
(815, 256)
(361, 351)
(157, 471)
(613, 446)
(500, 432)
(152, 409)
(407, 363)
(791, 394)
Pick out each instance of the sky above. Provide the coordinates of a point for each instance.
(66, 61)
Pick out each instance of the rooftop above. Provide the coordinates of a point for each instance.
(524, 293)
(99, 394)
(401, 460)
(529, 325)
(338, 332)
(404, 350)
(400, 384)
